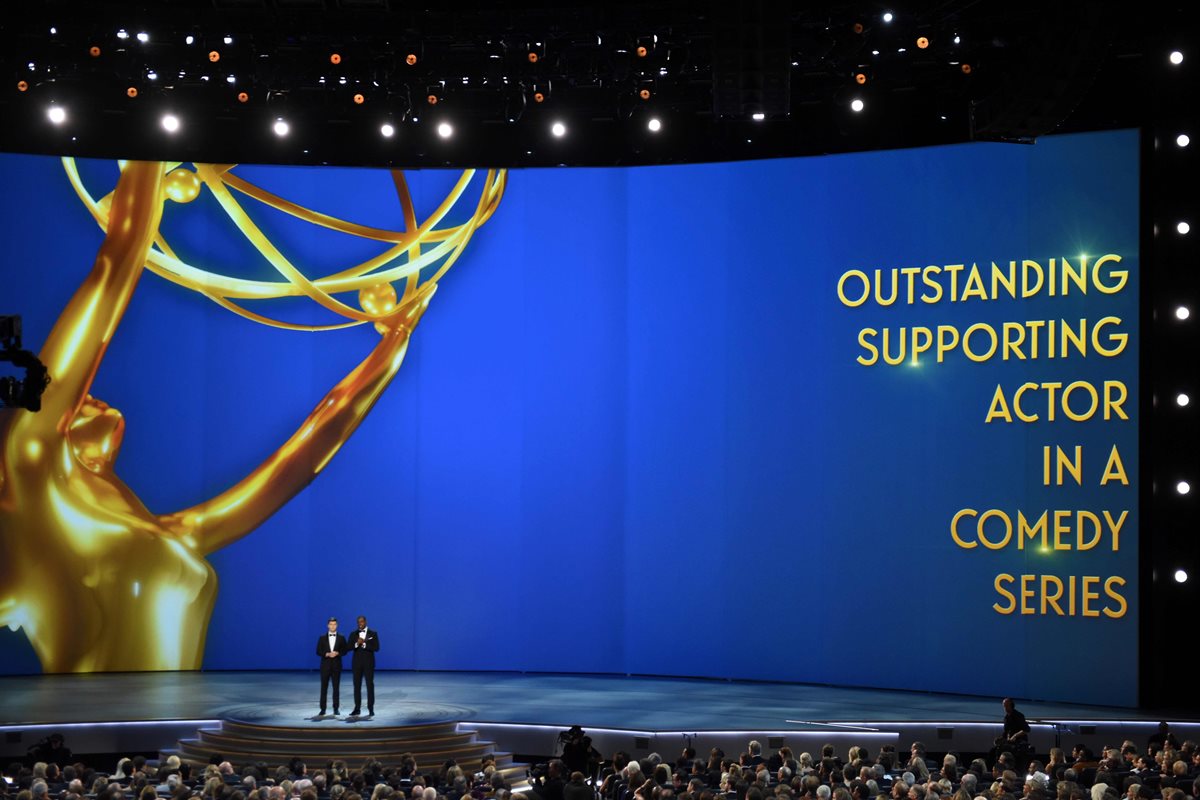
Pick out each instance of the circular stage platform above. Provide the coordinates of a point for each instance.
(384, 738)
(389, 715)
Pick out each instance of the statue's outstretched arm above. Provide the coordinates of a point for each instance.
(238, 510)
(77, 343)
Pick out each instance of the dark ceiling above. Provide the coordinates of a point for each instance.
(502, 73)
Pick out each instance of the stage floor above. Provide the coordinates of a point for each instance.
(641, 703)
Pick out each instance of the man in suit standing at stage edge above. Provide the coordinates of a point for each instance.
(331, 647)
(365, 642)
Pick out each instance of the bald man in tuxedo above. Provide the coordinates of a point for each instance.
(365, 642)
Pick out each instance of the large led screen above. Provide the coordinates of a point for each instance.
(865, 419)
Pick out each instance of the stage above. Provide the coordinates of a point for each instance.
(522, 712)
(635, 703)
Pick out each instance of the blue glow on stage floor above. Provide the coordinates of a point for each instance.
(618, 702)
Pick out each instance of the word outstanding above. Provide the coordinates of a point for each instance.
(899, 284)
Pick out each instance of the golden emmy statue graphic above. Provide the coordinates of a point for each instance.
(86, 569)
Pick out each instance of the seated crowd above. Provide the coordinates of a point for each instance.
(1164, 770)
(172, 779)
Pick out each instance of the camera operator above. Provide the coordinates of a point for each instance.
(20, 392)
(578, 754)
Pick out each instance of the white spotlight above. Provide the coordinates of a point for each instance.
(230, 79)
(281, 127)
(887, 16)
(122, 34)
(189, 39)
(1180, 576)
(57, 115)
(558, 129)
(170, 123)
(758, 116)
(228, 40)
(1176, 57)
(857, 105)
(655, 125)
(1182, 312)
(143, 37)
(958, 40)
(445, 130)
(1183, 227)
(53, 30)
(1182, 399)
(152, 75)
(1183, 140)
(387, 130)
(1183, 487)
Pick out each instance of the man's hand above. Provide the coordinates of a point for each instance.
(331, 654)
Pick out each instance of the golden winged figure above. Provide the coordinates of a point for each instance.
(85, 568)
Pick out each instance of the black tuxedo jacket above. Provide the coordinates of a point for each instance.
(366, 652)
(340, 645)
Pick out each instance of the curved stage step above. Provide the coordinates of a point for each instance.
(368, 729)
(319, 742)
(464, 745)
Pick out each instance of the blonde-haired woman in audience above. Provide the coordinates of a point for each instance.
(213, 787)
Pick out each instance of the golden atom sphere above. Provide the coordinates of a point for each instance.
(181, 185)
(377, 301)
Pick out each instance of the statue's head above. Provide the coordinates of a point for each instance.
(96, 433)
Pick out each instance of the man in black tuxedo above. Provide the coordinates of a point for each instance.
(331, 647)
(365, 642)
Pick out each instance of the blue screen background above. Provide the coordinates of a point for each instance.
(631, 435)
